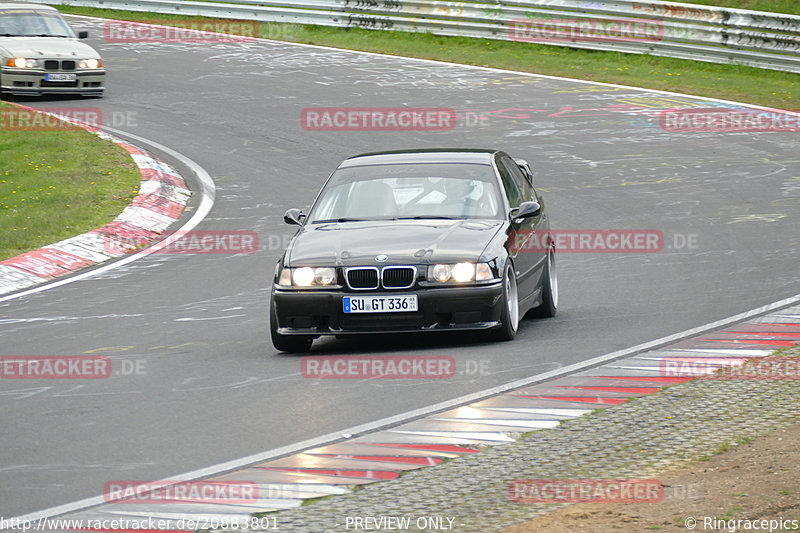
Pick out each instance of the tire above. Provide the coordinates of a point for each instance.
(549, 304)
(509, 318)
(287, 343)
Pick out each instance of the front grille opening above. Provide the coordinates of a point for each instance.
(398, 277)
(300, 322)
(467, 317)
(58, 83)
(378, 321)
(362, 278)
(51, 64)
(68, 65)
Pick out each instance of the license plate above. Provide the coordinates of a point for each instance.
(380, 304)
(60, 77)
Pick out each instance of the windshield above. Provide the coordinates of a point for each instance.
(408, 191)
(32, 23)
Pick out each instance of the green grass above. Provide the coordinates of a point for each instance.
(731, 82)
(58, 184)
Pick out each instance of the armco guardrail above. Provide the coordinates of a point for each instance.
(687, 31)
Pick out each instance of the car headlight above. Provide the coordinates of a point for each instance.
(307, 277)
(460, 272)
(21, 62)
(463, 272)
(90, 63)
(442, 273)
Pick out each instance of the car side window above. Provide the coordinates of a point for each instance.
(511, 188)
(519, 178)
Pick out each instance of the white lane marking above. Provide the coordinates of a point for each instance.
(570, 413)
(656, 369)
(207, 191)
(748, 353)
(300, 488)
(61, 318)
(524, 423)
(697, 360)
(472, 435)
(192, 319)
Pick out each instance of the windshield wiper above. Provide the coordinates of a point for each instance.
(423, 217)
(343, 219)
(43, 35)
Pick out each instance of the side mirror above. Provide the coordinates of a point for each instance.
(83, 34)
(294, 216)
(525, 167)
(525, 210)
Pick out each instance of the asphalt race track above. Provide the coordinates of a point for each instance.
(211, 388)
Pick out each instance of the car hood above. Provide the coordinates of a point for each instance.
(404, 242)
(46, 47)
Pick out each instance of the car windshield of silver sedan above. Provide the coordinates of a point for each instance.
(409, 191)
(32, 23)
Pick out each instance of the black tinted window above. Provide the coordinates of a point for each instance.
(519, 178)
(510, 186)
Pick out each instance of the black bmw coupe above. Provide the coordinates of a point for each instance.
(416, 240)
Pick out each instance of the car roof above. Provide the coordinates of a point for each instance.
(34, 7)
(423, 155)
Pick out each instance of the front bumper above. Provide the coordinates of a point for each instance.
(320, 312)
(31, 82)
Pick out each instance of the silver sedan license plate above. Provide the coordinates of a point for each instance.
(380, 304)
(60, 77)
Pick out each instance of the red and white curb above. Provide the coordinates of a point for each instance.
(162, 197)
(336, 468)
